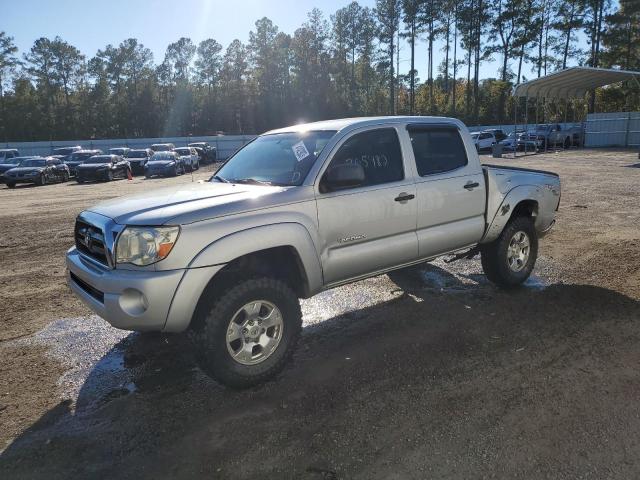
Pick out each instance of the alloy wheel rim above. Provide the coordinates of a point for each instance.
(254, 332)
(518, 251)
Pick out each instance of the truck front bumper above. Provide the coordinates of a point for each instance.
(140, 300)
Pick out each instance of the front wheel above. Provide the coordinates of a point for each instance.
(245, 336)
(110, 176)
(509, 260)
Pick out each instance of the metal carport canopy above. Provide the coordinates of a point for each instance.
(573, 82)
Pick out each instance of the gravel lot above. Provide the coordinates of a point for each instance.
(425, 373)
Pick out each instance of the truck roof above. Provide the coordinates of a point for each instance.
(356, 122)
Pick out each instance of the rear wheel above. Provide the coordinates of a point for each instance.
(42, 181)
(247, 334)
(109, 176)
(567, 143)
(509, 260)
(65, 177)
(11, 185)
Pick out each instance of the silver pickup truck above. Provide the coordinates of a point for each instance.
(297, 211)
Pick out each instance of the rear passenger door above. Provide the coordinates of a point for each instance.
(450, 190)
(371, 227)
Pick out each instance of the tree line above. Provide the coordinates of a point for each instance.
(346, 64)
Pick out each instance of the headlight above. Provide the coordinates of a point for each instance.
(145, 245)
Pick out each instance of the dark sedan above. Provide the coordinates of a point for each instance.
(78, 158)
(66, 151)
(9, 163)
(164, 164)
(37, 170)
(138, 158)
(103, 167)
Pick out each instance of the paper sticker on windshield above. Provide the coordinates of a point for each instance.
(300, 151)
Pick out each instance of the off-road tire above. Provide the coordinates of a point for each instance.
(211, 321)
(494, 254)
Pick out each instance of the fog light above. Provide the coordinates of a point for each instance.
(133, 302)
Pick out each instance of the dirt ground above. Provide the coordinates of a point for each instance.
(426, 373)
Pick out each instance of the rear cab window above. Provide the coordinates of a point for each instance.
(437, 149)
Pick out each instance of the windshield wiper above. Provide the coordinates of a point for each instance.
(220, 179)
(252, 181)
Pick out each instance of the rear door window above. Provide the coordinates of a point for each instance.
(437, 150)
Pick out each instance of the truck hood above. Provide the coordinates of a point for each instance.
(189, 203)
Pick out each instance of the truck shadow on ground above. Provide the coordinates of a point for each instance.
(446, 378)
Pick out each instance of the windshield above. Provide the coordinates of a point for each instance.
(182, 151)
(544, 126)
(80, 157)
(163, 156)
(12, 161)
(117, 151)
(161, 147)
(34, 162)
(475, 135)
(99, 159)
(278, 159)
(64, 151)
(138, 154)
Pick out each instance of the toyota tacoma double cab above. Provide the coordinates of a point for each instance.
(294, 212)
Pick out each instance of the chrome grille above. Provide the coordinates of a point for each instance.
(90, 242)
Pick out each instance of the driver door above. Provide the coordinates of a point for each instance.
(370, 227)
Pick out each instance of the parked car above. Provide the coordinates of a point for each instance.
(37, 170)
(297, 211)
(138, 158)
(497, 133)
(66, 151)
(78, 158)
(553, 134)
(210, 154)
(164, 164)
(8, 153)
(121, 151)
(190, 158)
(102, 167)
(162, 147)
(9, 163)
(519, 141)
(483, 140)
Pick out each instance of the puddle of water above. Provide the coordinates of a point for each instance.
(90, 348)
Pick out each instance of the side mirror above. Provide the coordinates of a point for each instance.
(347, 175)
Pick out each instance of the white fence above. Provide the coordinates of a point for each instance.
(225, 145)
(617, 129)
(602, 130)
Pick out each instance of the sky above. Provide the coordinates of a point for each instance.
(90, 25)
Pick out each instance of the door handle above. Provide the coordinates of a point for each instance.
(471, 185)
(403, 197)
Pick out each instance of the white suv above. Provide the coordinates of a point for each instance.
(483, 140)
(190, 157)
